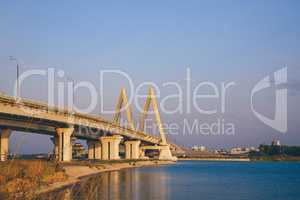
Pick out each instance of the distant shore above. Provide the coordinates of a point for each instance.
(275, 158)
(218, 159)
(247, 159)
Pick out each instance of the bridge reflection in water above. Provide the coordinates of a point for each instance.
(127, 184)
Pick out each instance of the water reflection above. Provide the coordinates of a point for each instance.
(125, 184)
(192, 180)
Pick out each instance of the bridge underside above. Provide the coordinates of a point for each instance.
(101, 145)
(47, 127)
(103, 137)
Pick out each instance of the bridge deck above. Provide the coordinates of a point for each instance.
(38, 117)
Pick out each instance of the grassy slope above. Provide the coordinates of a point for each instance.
(19, 179)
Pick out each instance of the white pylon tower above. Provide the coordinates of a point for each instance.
(123, 102)
(163, 147)
(151, 98)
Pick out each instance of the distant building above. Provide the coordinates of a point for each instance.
(275, 143)
(254, 149)
(78, 150)
(199, 148)
(221, 151)
(239, 150)
(242, 150)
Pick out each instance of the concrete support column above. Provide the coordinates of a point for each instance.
(94, 150)
(4, 144)
(110, 147)
(142, 154)
(64, 143)
(132, 149)
(55, 141)
(165, 153)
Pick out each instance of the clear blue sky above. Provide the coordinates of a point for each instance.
(240, 41)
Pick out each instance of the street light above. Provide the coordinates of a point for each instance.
(11, 58)
(73, 86)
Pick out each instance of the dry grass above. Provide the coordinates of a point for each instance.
(19, 179)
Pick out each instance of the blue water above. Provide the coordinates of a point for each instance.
(226, 180)
(204, 180)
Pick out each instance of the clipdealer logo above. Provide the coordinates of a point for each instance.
(191, 94)
(279, 122)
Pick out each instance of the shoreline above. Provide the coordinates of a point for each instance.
(251, 159)
(78, 172)
(217, 159)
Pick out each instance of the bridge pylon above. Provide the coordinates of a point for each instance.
(123, 100)
(164, 147)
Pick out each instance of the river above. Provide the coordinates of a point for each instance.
(196, 180)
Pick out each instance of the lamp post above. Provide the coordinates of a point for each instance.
(73, 97)
(18, 71)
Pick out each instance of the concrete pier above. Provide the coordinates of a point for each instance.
(110, 147)
(55, 142)
(132, 149)
(165, 153)
(64, 144)
(94, 150)
(4, 144)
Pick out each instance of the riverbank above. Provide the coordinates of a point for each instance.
(25, 179)
(20, 178)
(202, 178)
(80, 170)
